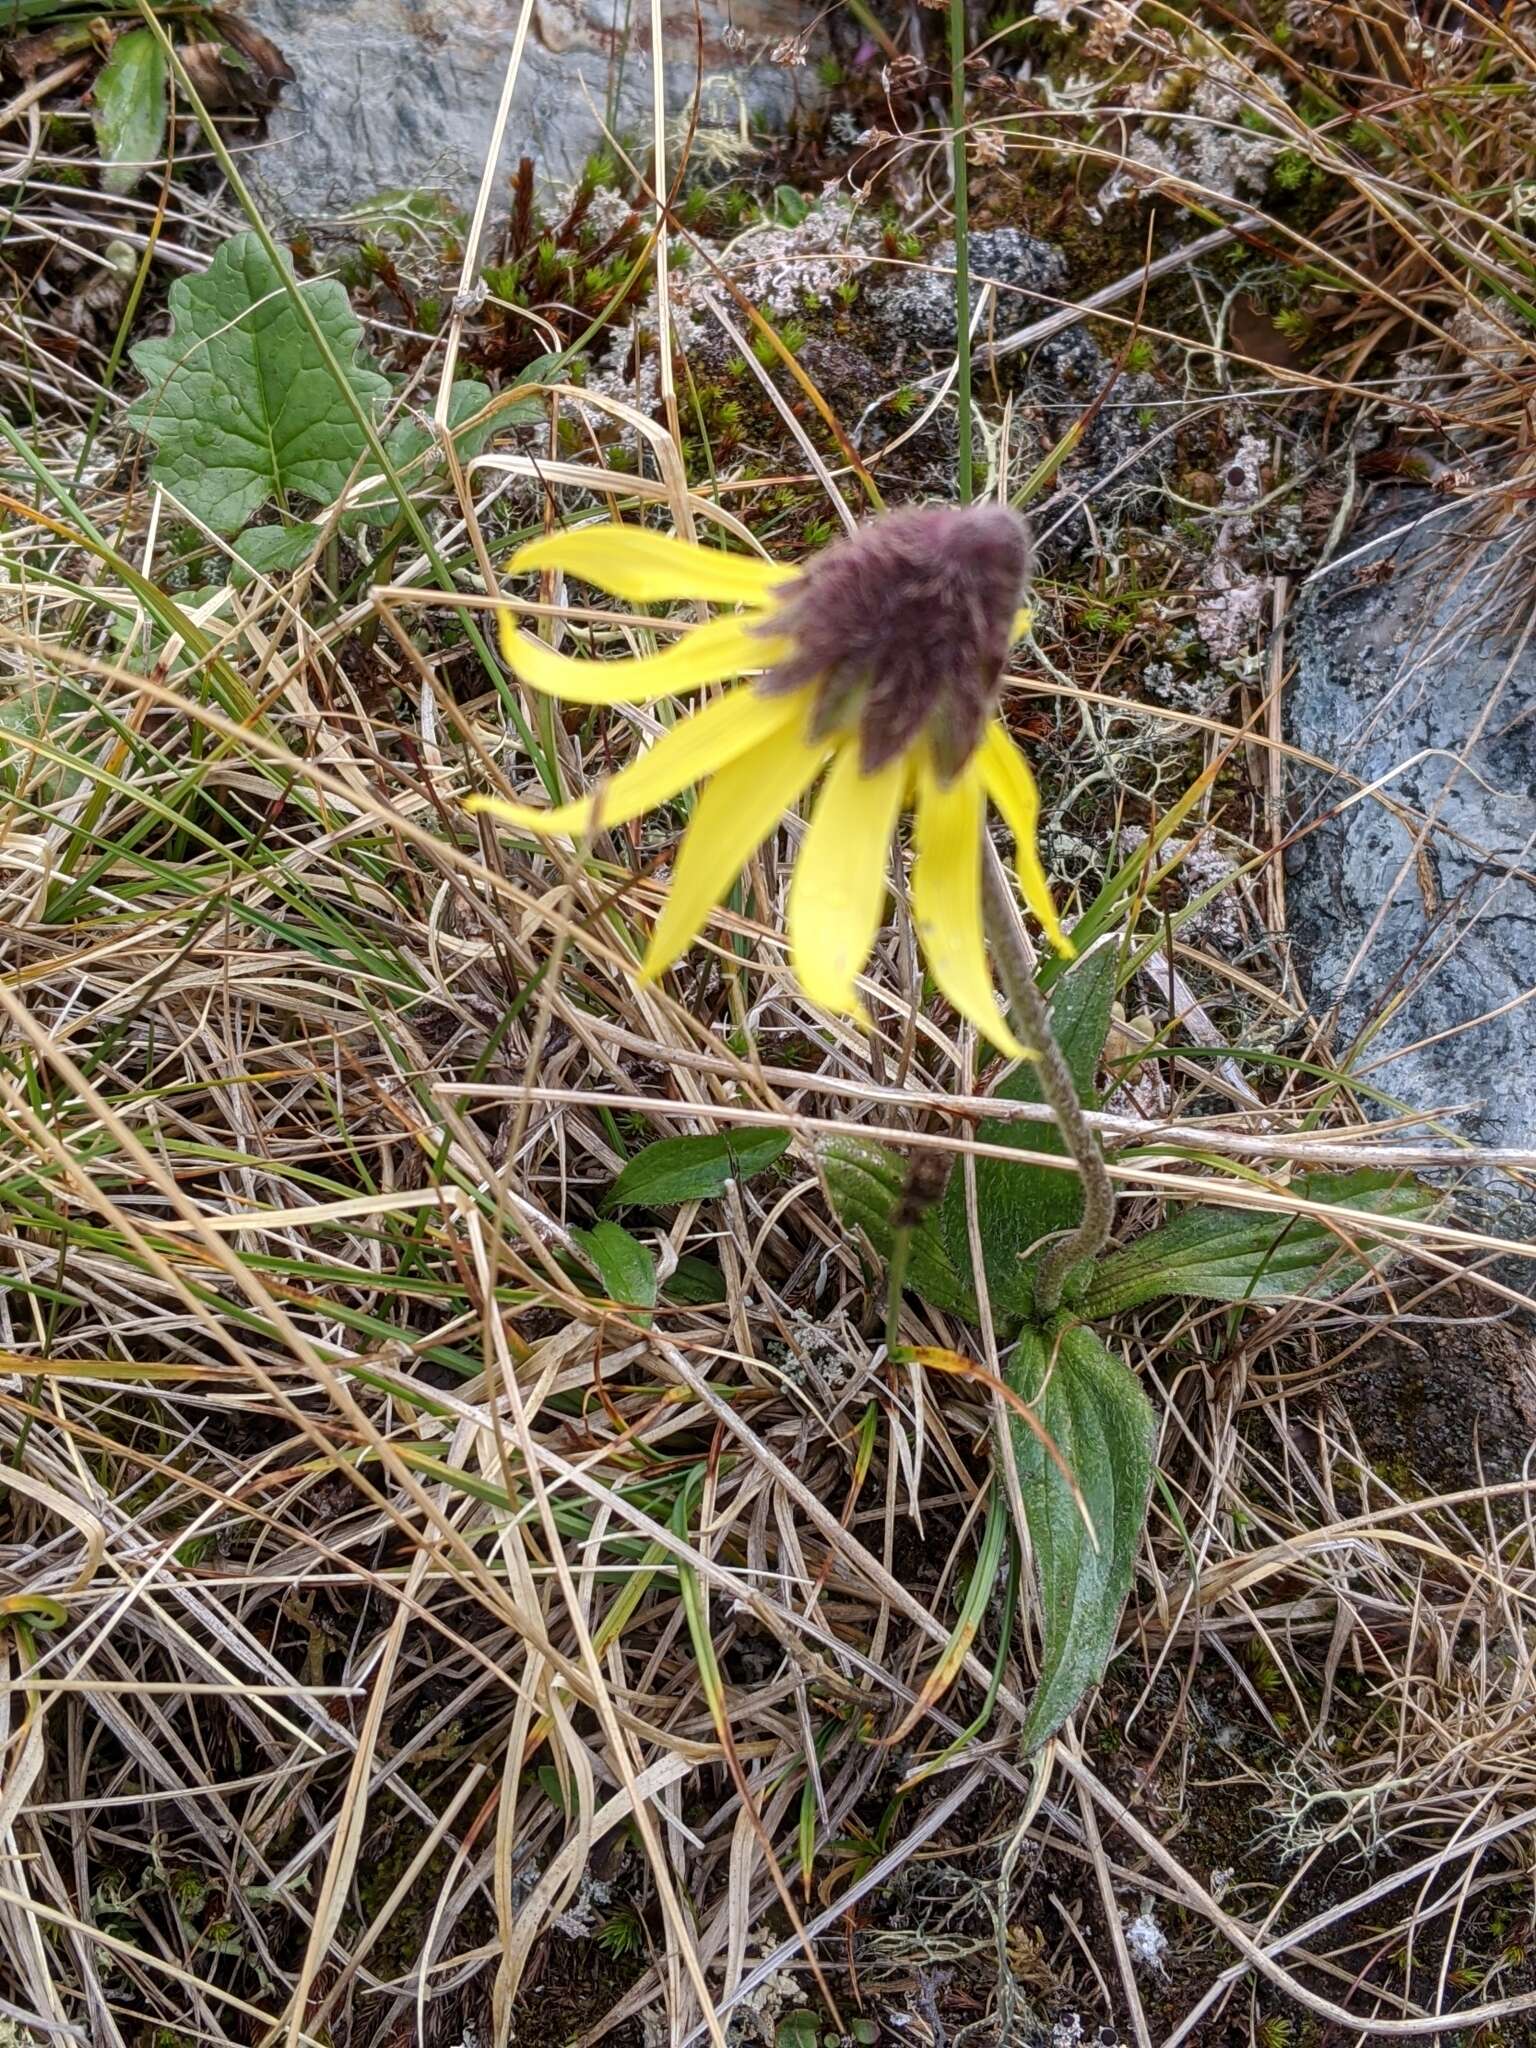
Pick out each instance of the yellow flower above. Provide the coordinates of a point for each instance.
(878, 667)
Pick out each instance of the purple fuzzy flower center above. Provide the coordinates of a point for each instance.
(903, 629)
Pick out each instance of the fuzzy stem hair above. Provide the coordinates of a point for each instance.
(1032, 1021)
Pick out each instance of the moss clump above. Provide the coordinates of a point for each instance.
(584, 267)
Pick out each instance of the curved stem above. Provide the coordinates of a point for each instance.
(1032, 1021)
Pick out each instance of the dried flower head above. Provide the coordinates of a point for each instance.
(881, 661)
(791, 51)
(987, 146)
(902, 630)
(904, 73)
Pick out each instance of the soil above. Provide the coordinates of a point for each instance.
(1445, 1405)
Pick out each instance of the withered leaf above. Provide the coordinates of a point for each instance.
(1254, 334)
(259, 51)
(219, 86)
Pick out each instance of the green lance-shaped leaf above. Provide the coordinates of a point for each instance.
(1095, 1413)
(865, 1180)
(695, 1283)
(410, 438)
(1017, 1205)
(692, 1169)
(412, 449)
(242, 405)
(625, 1266)
(1233, 1254)
(130, 110)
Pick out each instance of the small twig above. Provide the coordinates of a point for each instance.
(1032, 1020)
(40, 88)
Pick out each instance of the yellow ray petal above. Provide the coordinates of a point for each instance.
(838, 891)
(1010, 783)
(648, 567)
(946, 898)
(735, 814)
(709, 654)
(697, 746)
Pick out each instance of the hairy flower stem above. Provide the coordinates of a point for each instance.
(1032, 1021)
(901, 1252)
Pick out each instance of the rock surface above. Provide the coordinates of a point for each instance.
(1057, 383)
(918, 305)
(1409, 671)
(401, 95)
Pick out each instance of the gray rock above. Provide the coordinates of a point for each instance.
(401, 95)
(1113, 464)
(918, 306)
(1058, 380)
(1424, 958)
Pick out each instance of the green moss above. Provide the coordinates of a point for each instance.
(602, 171)
(379, 1870)
(1292, 171)
(1367, 140)
(792, 336)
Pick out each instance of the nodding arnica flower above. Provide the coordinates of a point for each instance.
(902, 631)
(878, 666)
